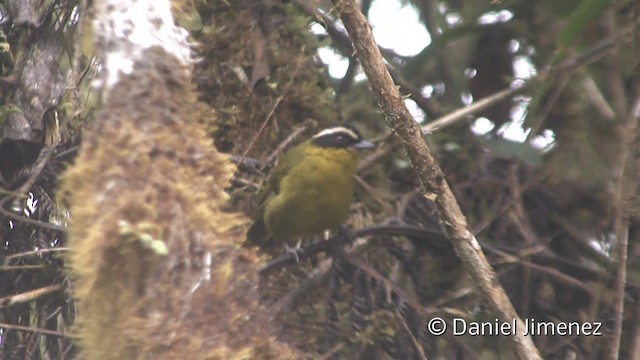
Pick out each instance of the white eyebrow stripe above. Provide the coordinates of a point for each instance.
(337, 129)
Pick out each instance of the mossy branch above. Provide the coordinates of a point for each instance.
(434, 184)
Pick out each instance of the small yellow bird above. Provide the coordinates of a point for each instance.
(311, 188)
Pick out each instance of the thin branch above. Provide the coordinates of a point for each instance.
(41, 162)
(27, 220)
(628, 116)
(621, 223)
(434, 238)
(275, 104)
(476, 106)
(283, 145)
(435, 186)
(19, 267)
(33, 330)
(431, 108)
(581, 241)
(635, 338)
(446, 120)
(597, 98)
(343, 44)
(28, 296)
(286, 303)
(414, 341)
(35, 252)
(565, 70)
(369, 271)
(583, 59)
(615, 78)
(375, 195)
(347, 79)
(506, 258)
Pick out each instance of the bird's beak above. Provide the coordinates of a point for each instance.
(363, 145)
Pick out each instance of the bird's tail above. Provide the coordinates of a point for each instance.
(257, 235)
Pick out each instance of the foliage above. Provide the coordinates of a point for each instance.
(542, 214)
(545, 217)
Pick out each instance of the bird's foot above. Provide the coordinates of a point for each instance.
(346, 234)
(295, 251)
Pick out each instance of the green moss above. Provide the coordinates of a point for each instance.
(158, 271)
(293, 89)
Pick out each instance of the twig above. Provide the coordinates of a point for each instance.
(334, 350)
(347, 79)
(343, 44)
(41, 161)
(23, 219)
(446, 120)
(275, 104)
(635, 338)
(537, 118)
(374, 194)
(255, 166)
(506, 258)
(621, 222)
(414, 341)
(580, 240)
(567, 68)
(628, 115)
(287, 302)
(33, 330)
(374, 274)
(597, 98)
(526, 230)
(614, 62)
(378, 153)
(35, 252)
(432, 236)
(591, 55)
(20, 267)
(283, 145)
(473, 108)
(435, 239)
(28, 296)
(430, 107)
(435, 186)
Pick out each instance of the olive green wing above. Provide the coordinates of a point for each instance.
(287, 162)
(258, 233)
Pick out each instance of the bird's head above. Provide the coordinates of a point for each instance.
(341, 137)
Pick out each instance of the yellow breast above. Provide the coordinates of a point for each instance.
(314, 196)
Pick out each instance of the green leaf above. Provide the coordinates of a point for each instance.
(584, 14)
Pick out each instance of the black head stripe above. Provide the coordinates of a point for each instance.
(339, 136)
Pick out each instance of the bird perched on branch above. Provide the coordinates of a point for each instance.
(311, 188)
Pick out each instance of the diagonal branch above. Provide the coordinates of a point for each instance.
(435, 186)
(343, 45)
(628, 115)
(621, 221)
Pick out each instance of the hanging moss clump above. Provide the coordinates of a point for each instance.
(159, 272)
